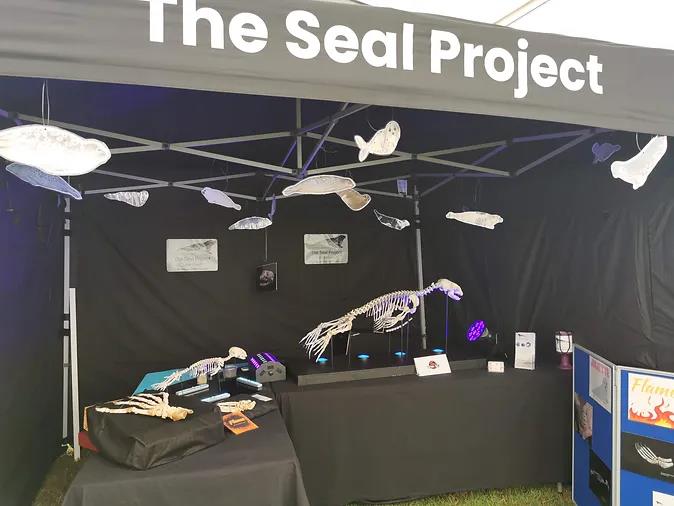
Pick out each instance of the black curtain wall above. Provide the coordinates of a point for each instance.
(135, 317)
(31, 301)
(578, 251)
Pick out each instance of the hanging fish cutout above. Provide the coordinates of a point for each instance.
(36, 177)
(135, 199)
(391, 222)
(477, 218)
(219, 198)
(637, 169)
(604, 151)
(52, 149)
(383, 143)
(251, 223)
(320, 185)
(354, 200)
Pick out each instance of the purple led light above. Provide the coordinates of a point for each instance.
(476, 330)
(255, 363)
(270, 357)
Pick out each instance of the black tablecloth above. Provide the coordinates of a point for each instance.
(408, 436)
(258, 468)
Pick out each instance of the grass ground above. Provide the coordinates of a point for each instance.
(64, 470)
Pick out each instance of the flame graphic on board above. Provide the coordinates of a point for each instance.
(653, 415)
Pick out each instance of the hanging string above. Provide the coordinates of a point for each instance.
(636, 135)
(45, 100)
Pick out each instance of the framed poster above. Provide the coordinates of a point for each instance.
(191, 255)
(601, 379)
(267, 277)
(323, 249)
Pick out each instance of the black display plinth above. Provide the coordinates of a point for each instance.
(342, 368)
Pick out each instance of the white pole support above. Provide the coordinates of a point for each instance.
(420, 268)
(66, 314)
(74, 374)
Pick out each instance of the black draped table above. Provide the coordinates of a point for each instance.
(258, 468)
(406, 437)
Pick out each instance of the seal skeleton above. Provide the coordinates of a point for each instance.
(390, 312)
(209, 366)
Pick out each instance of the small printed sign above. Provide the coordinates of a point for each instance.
(432, 365)
(650, 400)
(660, 499)
(322, 249)
(191, 255)
(601, 378)
(495, 366)
(525, 350)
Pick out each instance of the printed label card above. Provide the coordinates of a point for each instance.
(525, 350)
(238, 423)
(432, 365)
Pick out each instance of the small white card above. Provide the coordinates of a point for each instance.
(495, 366)
(660, 499)
(525, 350)
(432, 365)
(261, 397)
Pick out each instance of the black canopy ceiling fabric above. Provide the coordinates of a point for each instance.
(287, 48)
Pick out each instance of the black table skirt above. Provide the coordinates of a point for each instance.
(409, 437)
(258, 468)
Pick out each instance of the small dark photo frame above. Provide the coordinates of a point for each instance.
(266, 278)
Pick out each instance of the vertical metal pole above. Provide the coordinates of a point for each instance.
(420, 267)
(298, 125)
(66, 314)
(74, 374)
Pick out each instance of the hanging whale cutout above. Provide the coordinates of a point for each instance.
(383, 143)
(36, 177)
(355, 200)
(135, 199)
(604, 151)
(391, 222)
(251, 223)
(320, 185)
(219, 198)
(477, 218)
(637, 169)
(52, 149)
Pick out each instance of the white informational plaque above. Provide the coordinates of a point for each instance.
(660, 499)
(601, 378)
(432, 365)
(191, 255)
(525, 350)
(322, 249)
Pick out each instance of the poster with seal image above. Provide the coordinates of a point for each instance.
(191, 255)
(601, 378)
(600, 479)
(323, 249)
(267, 277)
(647, 457)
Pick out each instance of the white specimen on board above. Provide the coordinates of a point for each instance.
(637, 169)
(647, 454)
(383, 143)
(320, 185)
(251, 223)
(135, 199)
(219, 198)
(148, 405)
(391, 222)
(389, 312)
(208, 366)
(52, 149)
(477, 218)
(36, 177)
(354, 200)
(236, 406)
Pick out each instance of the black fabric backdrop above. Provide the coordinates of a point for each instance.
(578, 250)
(31, 300)
(135, 317)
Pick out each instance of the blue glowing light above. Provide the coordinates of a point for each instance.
(438, 350)
(363, 356)
(322, 360)
(400, 353)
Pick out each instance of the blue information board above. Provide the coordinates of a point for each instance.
(646, 444)
(594, 433)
